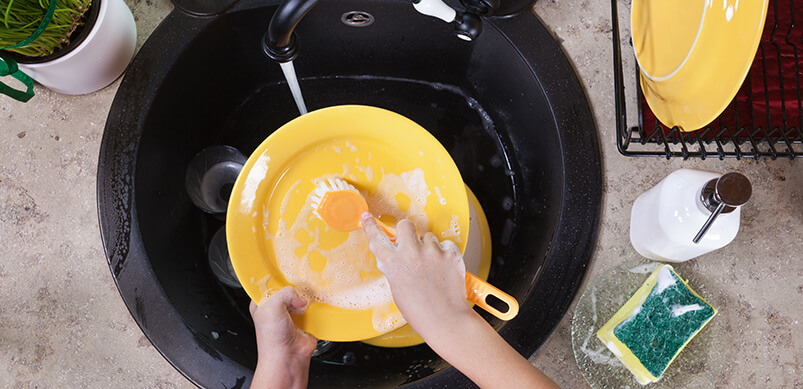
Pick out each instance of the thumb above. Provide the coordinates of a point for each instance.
(252, 308)
(378, 242)
(298, 304)
(290, 300)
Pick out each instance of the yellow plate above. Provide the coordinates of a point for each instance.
(694, 55)
(274, 239)
(477, 257)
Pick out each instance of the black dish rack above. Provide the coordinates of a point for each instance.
(748, 128)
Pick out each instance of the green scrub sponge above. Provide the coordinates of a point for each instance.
(651, 329)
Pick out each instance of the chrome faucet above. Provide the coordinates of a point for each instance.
(281, 45)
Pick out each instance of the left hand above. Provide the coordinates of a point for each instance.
(284, 351)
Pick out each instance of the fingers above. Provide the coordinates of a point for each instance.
(431, 241)
(449, 246)
(378, 242)
(307, 341)
(452, 251)
(405, 233)
(290, 299)
(286, 299)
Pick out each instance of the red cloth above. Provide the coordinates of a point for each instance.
(761, 105)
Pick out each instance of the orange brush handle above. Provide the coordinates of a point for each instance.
(389, 231)
(477, 290)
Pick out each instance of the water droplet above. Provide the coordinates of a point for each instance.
(349, 358)
(507, 203)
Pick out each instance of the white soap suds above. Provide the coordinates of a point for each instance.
(264, 291)
(597, 356)
(645, 382)
(632, 316)
(286, 198)
(646, 268)
(453, 232)
(266, 221)
(441, 200)
(368, 171)
(349, 277)
(678, 309)
(413, 185)
(614, 349)
(665, 279)
(252, 181)
(448, 245)
(387, 318)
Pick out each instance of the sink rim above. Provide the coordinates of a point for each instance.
(578, 173)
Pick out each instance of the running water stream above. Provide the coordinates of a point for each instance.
(292, 81)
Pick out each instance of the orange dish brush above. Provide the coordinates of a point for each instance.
(340, 205)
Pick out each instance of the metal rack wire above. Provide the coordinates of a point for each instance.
(765, 119)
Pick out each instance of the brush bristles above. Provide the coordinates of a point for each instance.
(325, 186)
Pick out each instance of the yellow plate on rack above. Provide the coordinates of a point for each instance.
(694, 55)
(477, 257)
(274, 239)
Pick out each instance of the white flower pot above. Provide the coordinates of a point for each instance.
(98, 60)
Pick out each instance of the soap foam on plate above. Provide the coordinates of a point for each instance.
(264, 291)
(453, 233)
(441, 200)
(387, 318)
(349, 277)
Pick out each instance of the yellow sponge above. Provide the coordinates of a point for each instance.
(654, 325)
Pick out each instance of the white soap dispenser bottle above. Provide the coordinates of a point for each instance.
(689, 213)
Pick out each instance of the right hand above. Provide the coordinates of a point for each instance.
(428, 282)
(427, 277)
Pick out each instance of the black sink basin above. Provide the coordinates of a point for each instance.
(508, 107)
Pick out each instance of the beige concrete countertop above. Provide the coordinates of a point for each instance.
(63, 323)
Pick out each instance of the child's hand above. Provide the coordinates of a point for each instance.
(284, 351)
(428, 282)
(427, 278)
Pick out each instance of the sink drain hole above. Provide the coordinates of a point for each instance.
(357, 19)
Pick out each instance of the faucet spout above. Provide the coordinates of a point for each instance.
(280, 43)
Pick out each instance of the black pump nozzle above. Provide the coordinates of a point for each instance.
(467, 26)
